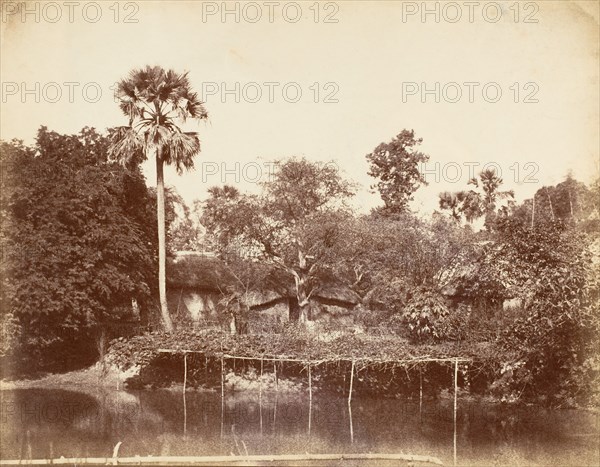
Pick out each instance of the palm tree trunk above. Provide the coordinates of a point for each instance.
(162, 244)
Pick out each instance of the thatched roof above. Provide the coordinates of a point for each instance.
(337, 293)
(476, 268)
(201, 271)
(207, 272)
(197, 272)
(257, 299)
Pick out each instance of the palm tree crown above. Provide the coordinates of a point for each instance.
(156, 100)
(473, 204)
(490, 184)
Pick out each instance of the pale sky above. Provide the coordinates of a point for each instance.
(377, 58)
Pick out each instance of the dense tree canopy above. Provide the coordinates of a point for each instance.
(78, 242)
(399, 251)
(79, 254)
(569, 201)
(557, 335)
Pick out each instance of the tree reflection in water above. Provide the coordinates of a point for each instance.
(39, 423)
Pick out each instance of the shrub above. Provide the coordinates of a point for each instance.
(423, 314)
(458, 324)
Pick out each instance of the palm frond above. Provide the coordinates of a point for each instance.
(126, 145)
(195, 107)
(506, 194)
(158, 135)
(181, 149)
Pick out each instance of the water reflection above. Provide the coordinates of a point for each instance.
(40, 423)
(351, 425)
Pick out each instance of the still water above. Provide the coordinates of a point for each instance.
(45, 423)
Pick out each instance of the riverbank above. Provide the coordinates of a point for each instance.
(89, 379)
(296, 362)
(94, 378)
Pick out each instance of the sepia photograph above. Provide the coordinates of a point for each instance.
(300, 233)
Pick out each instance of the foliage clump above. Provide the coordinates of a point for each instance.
(78, 248)
(294, 343)
(423, 315)
(557, 335)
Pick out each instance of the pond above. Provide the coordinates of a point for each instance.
(44, 423)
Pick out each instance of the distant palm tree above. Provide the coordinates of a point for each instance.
(490, 183)
(473, 204)
(156, 101)
(452, 202)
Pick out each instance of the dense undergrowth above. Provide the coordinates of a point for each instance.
(293, 344)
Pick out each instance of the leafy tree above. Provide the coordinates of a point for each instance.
(396, 166)
(558, 332)
(77, 240)
(293, 225)
(490, 184)
(471, 207)
(218, 212)
(452, 202)
(157, 102)
(491, 273)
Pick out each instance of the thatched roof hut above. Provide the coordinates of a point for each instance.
(197, 272)
(197, 282)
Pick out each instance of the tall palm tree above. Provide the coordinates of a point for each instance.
(156, 102)
(490, 182)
